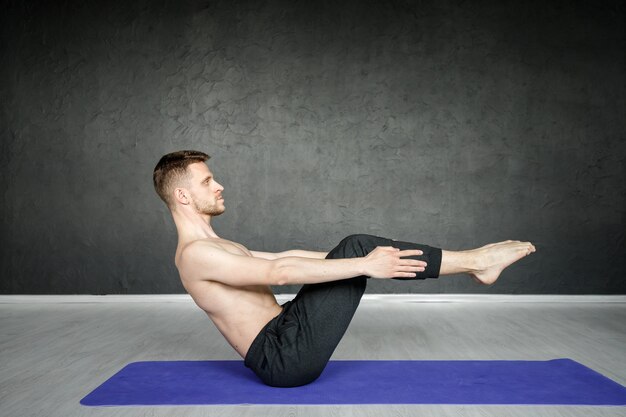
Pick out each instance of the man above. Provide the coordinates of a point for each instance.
(290, 345)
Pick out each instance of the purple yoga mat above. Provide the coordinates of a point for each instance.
(558, 382)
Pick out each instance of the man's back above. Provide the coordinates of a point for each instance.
(239, 312)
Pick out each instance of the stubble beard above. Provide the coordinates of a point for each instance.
(204, 207)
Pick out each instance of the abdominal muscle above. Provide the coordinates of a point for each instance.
(239, 313)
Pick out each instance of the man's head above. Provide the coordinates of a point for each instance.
(183, 178)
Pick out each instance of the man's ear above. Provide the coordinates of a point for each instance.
(182, 196)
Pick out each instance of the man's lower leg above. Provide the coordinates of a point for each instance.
(484, 264)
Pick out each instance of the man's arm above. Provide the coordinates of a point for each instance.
(295, 252)
(202, 261)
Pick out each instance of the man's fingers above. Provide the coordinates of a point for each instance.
(416, 269)
(389, 248)
(413, 261)
(409, 272)
(410, 252)
(404, 275)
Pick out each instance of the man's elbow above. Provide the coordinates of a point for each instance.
(278, 273)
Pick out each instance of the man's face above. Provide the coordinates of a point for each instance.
(206, 193)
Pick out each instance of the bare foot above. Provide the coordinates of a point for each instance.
(493, 258)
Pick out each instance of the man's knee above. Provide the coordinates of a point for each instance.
(362, 242)
(356, 239)
(355, 245)
(350, 247)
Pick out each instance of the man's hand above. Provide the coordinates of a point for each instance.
(387, 262)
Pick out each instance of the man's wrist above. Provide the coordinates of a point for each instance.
(360, 265)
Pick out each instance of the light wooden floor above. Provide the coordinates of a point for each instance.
(51, 355)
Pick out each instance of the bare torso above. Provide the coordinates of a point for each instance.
(239, 313)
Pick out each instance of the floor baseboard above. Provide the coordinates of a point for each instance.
(406, 298)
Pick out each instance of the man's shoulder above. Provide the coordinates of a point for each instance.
(213, 247)
(204, 244)
(225, 262)
(189, 250)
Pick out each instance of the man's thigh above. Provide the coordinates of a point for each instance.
(324, 311)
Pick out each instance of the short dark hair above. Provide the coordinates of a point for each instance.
(171, 171)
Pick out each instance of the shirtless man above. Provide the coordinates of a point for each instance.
(290, 345)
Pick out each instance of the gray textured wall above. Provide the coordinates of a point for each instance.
(450, 123)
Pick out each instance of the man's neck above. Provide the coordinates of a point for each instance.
(193, 226)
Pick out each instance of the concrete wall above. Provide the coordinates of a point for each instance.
(449, 123)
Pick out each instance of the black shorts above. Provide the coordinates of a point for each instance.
(294, 347)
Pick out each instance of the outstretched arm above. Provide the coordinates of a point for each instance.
(203, 261)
